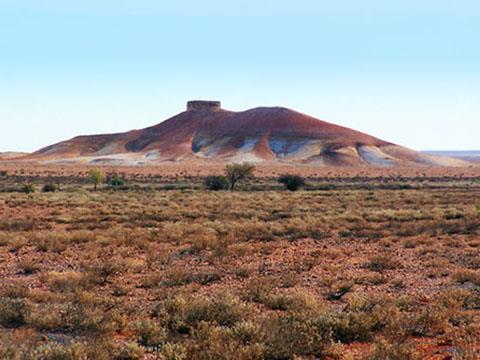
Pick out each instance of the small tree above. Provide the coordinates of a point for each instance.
(216, 182)
(97, 176)
(237, 172)
(292, 182)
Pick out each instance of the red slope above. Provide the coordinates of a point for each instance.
(260, 134)
(176, 135)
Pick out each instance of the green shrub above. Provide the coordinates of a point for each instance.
(51, 241)
(49, 188)
(362, 319)
(76, 350)
(101, 272)
(175, 351)
(292, 182)
(24, 224)
(258, 290)
(393, 350)
(28, 189)
(215, 342)
(383, 262)
(28, 267)
(53, 351)
(89, 313)
(150, 333)
(341, 290)
(181, 313)
(288, 337)
(179, 277)
(116, 182)
(14, 312)
(432, 320)
(129, 351)
(467, 276)
(223, 310)
(216, 183)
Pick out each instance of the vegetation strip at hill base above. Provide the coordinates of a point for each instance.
(240, 275)
(201, 169)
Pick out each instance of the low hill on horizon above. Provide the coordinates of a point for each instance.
(11, 155)
(472, 156)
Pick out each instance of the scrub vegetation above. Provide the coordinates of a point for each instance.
(161, 268)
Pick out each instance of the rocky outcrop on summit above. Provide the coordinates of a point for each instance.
(206, 131)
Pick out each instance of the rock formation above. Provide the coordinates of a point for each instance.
(265, 134)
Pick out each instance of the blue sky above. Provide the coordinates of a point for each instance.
(405, 71)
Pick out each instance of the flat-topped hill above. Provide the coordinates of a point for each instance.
(264, 134)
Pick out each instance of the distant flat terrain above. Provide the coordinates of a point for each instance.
(11, 155)
(470, 155)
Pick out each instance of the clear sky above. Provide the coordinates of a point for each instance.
(407, 71)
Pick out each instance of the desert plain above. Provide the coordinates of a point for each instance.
(362, 263)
